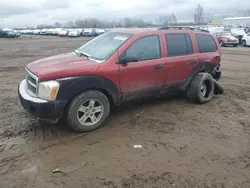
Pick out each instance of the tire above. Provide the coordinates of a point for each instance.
(222, 44)
(195, 92)
(83, 101)
(235, 45)
(243, 43)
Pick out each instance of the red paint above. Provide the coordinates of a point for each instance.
(133, 75)
(226, 39)
(62, 66)
(64, 34)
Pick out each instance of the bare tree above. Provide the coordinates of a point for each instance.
(244, 12)
(70, 24)
(79, 23)
(164, 20)
(168, 19)
(210, 18)
(42, 26)
(174, 19)
(127, 22)
(57, 24)
(199, 15)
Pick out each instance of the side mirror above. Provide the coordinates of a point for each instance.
(125, 60)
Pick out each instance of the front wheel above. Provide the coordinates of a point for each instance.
(88, 111)
(202, 88)
(222, 44)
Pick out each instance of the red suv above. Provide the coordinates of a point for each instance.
(120, 66)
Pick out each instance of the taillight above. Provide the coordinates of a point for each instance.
(218, 67)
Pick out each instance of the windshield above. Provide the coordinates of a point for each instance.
(226, 34)
(103, 46)
(237, 29)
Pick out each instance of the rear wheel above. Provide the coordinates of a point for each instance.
(88, 111)
(243, 43)
(202, 88)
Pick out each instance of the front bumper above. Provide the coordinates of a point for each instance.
(230, 43)
(48, 110)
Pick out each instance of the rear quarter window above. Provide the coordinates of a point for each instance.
(206, 43)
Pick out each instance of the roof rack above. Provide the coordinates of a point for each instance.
(182, 28)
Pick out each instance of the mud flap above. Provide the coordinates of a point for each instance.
(217, 88)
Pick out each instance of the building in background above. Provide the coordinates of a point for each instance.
(244, 21)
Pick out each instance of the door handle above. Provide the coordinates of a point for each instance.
(192, 61)
(158, 66)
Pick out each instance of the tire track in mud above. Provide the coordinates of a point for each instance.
(166, 179)
(165, 128)
(30, 128)
(235, 61)
(235, 51)
(10, 69)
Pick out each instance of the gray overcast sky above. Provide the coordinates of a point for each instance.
(23, 13)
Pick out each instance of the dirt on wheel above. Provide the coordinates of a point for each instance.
(183, 144)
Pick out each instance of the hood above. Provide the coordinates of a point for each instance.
(230, 37)
(238, 32)
(62, 66)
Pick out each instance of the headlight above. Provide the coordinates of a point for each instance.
(48, 90)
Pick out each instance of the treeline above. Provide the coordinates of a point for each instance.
(126, 22)
(199, 18)
(97, 23)
(163, 20)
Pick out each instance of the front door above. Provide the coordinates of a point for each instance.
(248, 39)
(146, 76)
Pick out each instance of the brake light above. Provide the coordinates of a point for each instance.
(218, 67)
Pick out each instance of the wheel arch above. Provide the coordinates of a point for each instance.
(208, 67)
(72, 87)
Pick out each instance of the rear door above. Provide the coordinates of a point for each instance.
(180, 58)
(145, 76)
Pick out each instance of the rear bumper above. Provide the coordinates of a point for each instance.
(47, 110)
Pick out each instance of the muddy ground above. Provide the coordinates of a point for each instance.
(183, 144)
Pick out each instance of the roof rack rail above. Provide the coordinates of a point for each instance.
(182, 28)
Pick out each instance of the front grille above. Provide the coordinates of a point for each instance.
(32, 83)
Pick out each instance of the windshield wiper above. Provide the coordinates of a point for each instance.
(81, 54)
(84, 55)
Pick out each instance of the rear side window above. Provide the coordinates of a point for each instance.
(206, 43)
(178, 44)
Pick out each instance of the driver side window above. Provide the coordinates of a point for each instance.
(145, 48)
